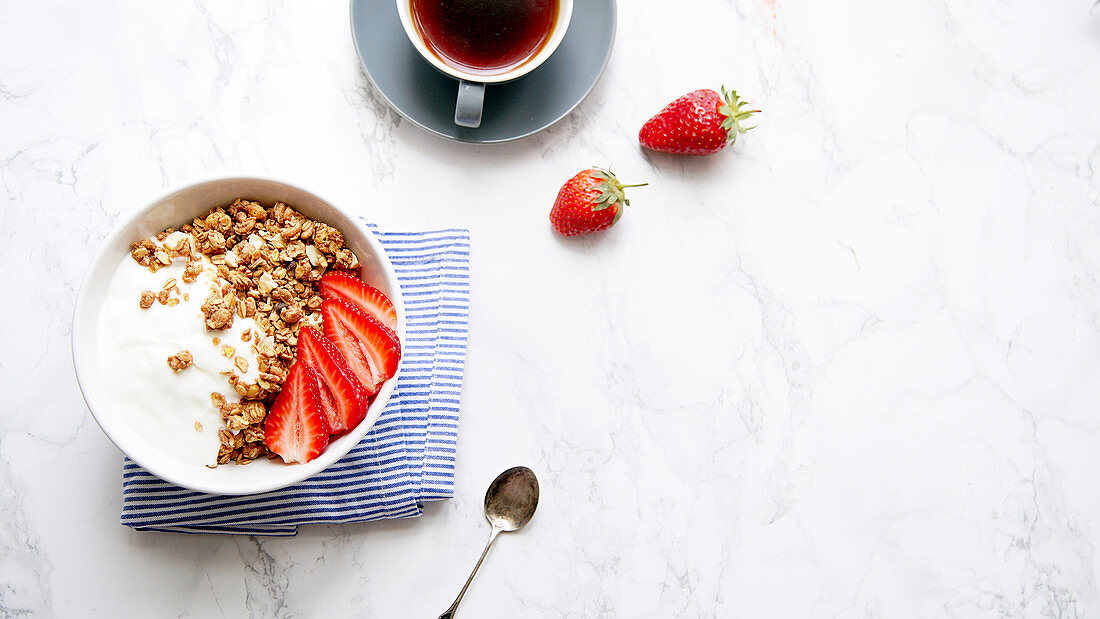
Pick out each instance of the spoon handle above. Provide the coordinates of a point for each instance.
(450, 612)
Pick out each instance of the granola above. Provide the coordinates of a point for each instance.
(180, 361)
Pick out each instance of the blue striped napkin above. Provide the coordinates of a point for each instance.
(407, 458)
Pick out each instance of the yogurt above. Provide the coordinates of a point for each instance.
(172, 410)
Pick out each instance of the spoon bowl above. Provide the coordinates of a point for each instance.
(512, 498)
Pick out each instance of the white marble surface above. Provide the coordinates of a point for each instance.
(849, 369)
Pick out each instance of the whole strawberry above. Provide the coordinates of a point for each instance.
(589, 202)
(699, 123)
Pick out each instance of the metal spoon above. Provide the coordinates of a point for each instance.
(509, 504)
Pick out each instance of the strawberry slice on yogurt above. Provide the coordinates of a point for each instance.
(341, 285)
(371, 350)
(343, 399)
(296, 429)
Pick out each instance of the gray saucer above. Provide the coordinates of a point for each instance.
(514, 110)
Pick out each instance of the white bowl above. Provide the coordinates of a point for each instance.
(174, 208)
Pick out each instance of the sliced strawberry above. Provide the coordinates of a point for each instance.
(343, 400)
(340, 285)
(295, 427)
(370, 349)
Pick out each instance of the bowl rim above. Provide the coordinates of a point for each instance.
(84, 358)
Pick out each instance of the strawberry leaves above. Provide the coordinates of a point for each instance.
(734, 114)
(610, 190)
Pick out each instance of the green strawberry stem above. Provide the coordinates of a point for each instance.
(610, 190)
(734, 114)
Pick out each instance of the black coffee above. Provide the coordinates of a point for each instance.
(485, 36)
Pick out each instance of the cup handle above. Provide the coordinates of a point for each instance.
(471, 99)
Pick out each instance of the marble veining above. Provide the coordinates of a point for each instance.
(846, 370)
